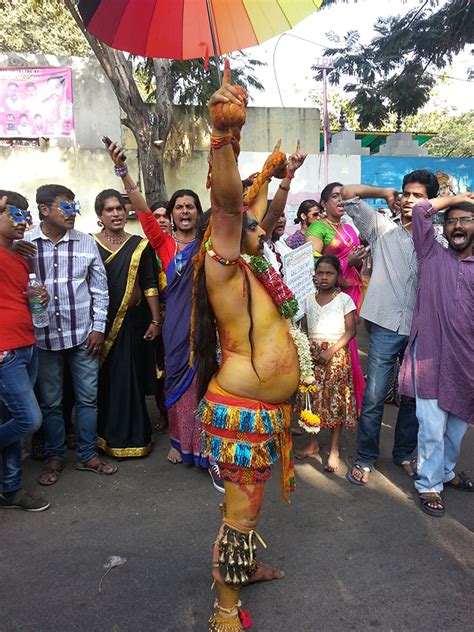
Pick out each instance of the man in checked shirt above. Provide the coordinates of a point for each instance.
(70, 267)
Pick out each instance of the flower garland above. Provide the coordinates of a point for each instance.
(308, 420)
(279, 292)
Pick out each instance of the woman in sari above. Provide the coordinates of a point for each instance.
(128, 369)
(175, 252)
(331, 236)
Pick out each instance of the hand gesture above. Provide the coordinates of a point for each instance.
(357, 256)
(392, 197)
(227, 105)
(116, 154)
(94, 343)
(296, 159)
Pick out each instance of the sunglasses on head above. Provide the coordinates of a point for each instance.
(18, 215)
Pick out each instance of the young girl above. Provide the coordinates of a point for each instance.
(330, 316)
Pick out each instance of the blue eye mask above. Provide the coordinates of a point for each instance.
(18, 215)
(68, 209)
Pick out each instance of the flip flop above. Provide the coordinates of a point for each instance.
(362, 469)
(464, 485)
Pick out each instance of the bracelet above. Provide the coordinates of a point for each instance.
(132, 189)
(120, 172)
(156, 322)
(290, 176)
(220, 141)
(280, 186)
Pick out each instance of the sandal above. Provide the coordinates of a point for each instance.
(464, 484)
(409, 467)
(97, 466)
(360, 468)
(51, 471)
(432, 498)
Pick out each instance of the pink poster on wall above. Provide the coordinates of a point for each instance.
(36, 102)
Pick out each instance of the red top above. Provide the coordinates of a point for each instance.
(16, 325)
(163, 244)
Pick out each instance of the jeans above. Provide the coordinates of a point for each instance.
(439, 444)
(84, 372)
(385, 347)
(20, 414)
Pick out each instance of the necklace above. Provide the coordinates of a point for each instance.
(183, 241)
(341, 232)
(117, 241)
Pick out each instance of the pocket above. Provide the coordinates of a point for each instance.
(8, 357)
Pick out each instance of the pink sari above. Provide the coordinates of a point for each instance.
(343, 242)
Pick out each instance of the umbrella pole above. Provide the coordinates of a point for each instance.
(214, 42)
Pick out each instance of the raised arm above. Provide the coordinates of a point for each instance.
(368, 221)
(162, 244)
(226, 106)
(423, 231)
(280, 198)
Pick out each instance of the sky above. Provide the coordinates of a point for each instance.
(289, 59)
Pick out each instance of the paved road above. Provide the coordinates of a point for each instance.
(355, 559)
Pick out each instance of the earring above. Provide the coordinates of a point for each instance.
(100, 224)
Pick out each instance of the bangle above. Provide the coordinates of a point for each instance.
(220, 141)
(280, 186)
(132, 189)
(290, 176)
(120, 172)
(156, 322)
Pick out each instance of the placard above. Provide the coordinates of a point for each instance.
(298, 271)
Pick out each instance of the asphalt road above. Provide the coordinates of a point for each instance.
(355, 558)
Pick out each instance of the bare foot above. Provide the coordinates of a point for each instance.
(174, 456)
(265, 573)
(311, 448)
(333, 463)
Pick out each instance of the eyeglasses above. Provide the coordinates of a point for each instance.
(18, 215)
(464, 221)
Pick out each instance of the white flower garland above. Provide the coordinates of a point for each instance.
(304, 355)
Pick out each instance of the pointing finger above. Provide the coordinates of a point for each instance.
(226, 77)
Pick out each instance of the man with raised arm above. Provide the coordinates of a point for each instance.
(244, 411)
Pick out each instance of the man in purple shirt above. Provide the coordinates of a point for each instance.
(439, 362)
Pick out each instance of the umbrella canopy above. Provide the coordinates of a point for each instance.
(181, 29)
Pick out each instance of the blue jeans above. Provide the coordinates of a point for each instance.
(385, 347)
(20, 414)
(84, 372)
(439, 444)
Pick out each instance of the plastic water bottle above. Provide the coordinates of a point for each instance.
(39, 312)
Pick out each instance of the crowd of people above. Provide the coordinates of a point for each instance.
(198, 315)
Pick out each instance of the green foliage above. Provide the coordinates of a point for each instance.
(40, 26)
(391, 72)
(455, 136)
(193, 84)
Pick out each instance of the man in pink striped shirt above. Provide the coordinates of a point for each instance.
(438, 368)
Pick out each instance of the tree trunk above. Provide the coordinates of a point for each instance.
(150, 127)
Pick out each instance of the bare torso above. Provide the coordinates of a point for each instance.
(269, 372)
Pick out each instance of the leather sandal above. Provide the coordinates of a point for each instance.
(51, 471)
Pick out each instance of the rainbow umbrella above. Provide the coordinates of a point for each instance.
(187, 29)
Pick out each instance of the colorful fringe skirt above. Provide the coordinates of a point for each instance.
(246, 437)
